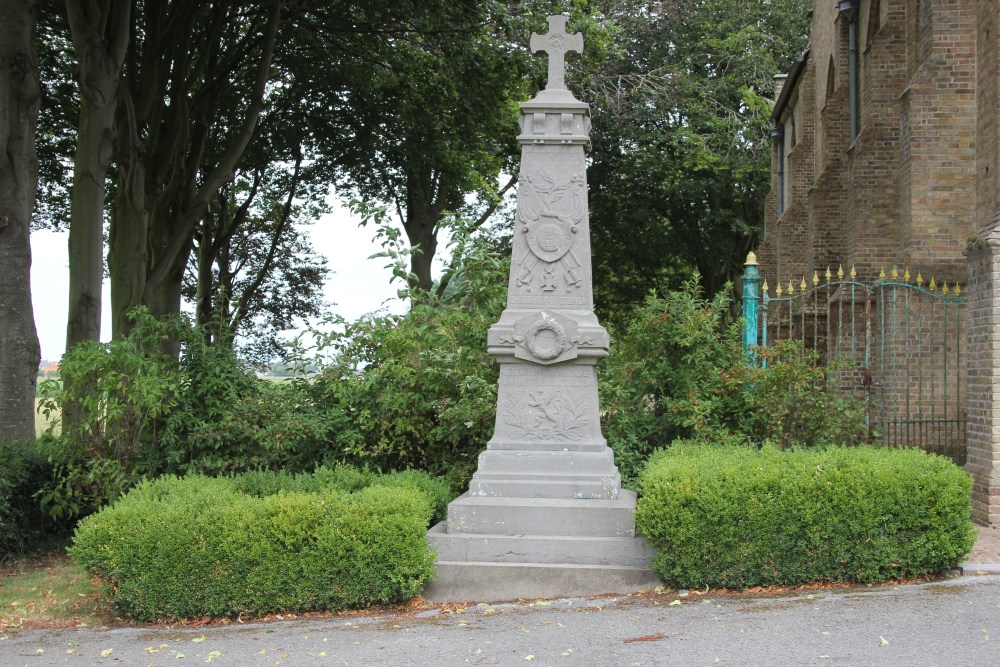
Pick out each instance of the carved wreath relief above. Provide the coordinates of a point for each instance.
(549, 214)
(545, 414)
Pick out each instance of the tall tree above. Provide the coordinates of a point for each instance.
(433, 114)
(20, 95)
(193, 93)
(100, 32)
(681, 139)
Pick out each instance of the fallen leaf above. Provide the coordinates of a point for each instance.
(529, 657)
(643, 638)
(40, 651)
(198, 640)
(882, 641)
(674, 603)
(106, 652)
(213, 655)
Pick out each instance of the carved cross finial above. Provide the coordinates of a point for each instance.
(557, 43)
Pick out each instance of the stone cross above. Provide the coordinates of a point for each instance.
(557, 43)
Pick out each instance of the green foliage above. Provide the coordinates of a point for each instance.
(682, 151)
(416, 390)
(674, 373)
(739, 517)
(792, 402)
(145, 413)
(678, 372)
(227, 420)
(121, 390)
(260, 543)
(23, 525)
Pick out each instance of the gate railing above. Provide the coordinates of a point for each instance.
(900, 341)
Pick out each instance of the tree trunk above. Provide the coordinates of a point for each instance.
(127, 244)
(19, 102)
(100, 32)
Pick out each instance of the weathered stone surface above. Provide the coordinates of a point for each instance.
(472, 581)
(545, 514)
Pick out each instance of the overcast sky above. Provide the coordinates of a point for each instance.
(357, 286)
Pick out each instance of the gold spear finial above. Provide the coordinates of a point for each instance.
(815, 278)
(881, 274)
(906, 275)
(895, 273)
(802, 284)
(854, 272)
(791, 287)
(778, 290)
(932, 285)
(828, 274)
(958, 290)
(840, 272)
(920, 280)
(944, 288)
(764, 286)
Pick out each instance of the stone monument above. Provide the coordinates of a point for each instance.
(545, 514)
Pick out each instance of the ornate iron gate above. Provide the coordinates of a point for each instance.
(899, 341)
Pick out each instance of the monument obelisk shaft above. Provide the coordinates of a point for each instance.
(545, 514)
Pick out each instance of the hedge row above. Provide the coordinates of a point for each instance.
(262, 543)
(739, 517)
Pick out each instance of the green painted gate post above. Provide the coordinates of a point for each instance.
(751, 300)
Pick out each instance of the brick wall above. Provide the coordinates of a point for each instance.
(918, 181)
(983, 434)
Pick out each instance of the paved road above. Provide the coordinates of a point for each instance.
(952, 622)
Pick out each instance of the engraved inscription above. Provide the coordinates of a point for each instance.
(554, 300)
(533, 376)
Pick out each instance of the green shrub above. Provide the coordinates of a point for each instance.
(678, 371)
(258, 543)
(738, 517)
(23, 525)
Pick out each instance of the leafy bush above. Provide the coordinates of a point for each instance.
(679, 372)
(738, 517)
(260, 543)
(790, 401)
(417, 390)
(119, 392)
(676, 372)
(23, 525)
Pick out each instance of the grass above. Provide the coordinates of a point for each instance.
(42, 421)
(48, 591)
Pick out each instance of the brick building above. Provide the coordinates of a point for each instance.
(885, 154)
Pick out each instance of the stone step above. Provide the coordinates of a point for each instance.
(539, 549)
(521, 461)
(546, 486)
(543, 516)
(496, 582)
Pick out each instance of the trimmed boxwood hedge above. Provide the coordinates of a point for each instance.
(263, 543)
(739, 517)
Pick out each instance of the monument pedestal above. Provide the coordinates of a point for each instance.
(545, 514)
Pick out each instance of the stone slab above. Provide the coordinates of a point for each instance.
(495, 582)
(546, 486)
(543, 516)
(525, 462)
(539, 549)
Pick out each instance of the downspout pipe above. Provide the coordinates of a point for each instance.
(849, 8)
(778, 137)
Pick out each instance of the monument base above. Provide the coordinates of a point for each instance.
(493, 549)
